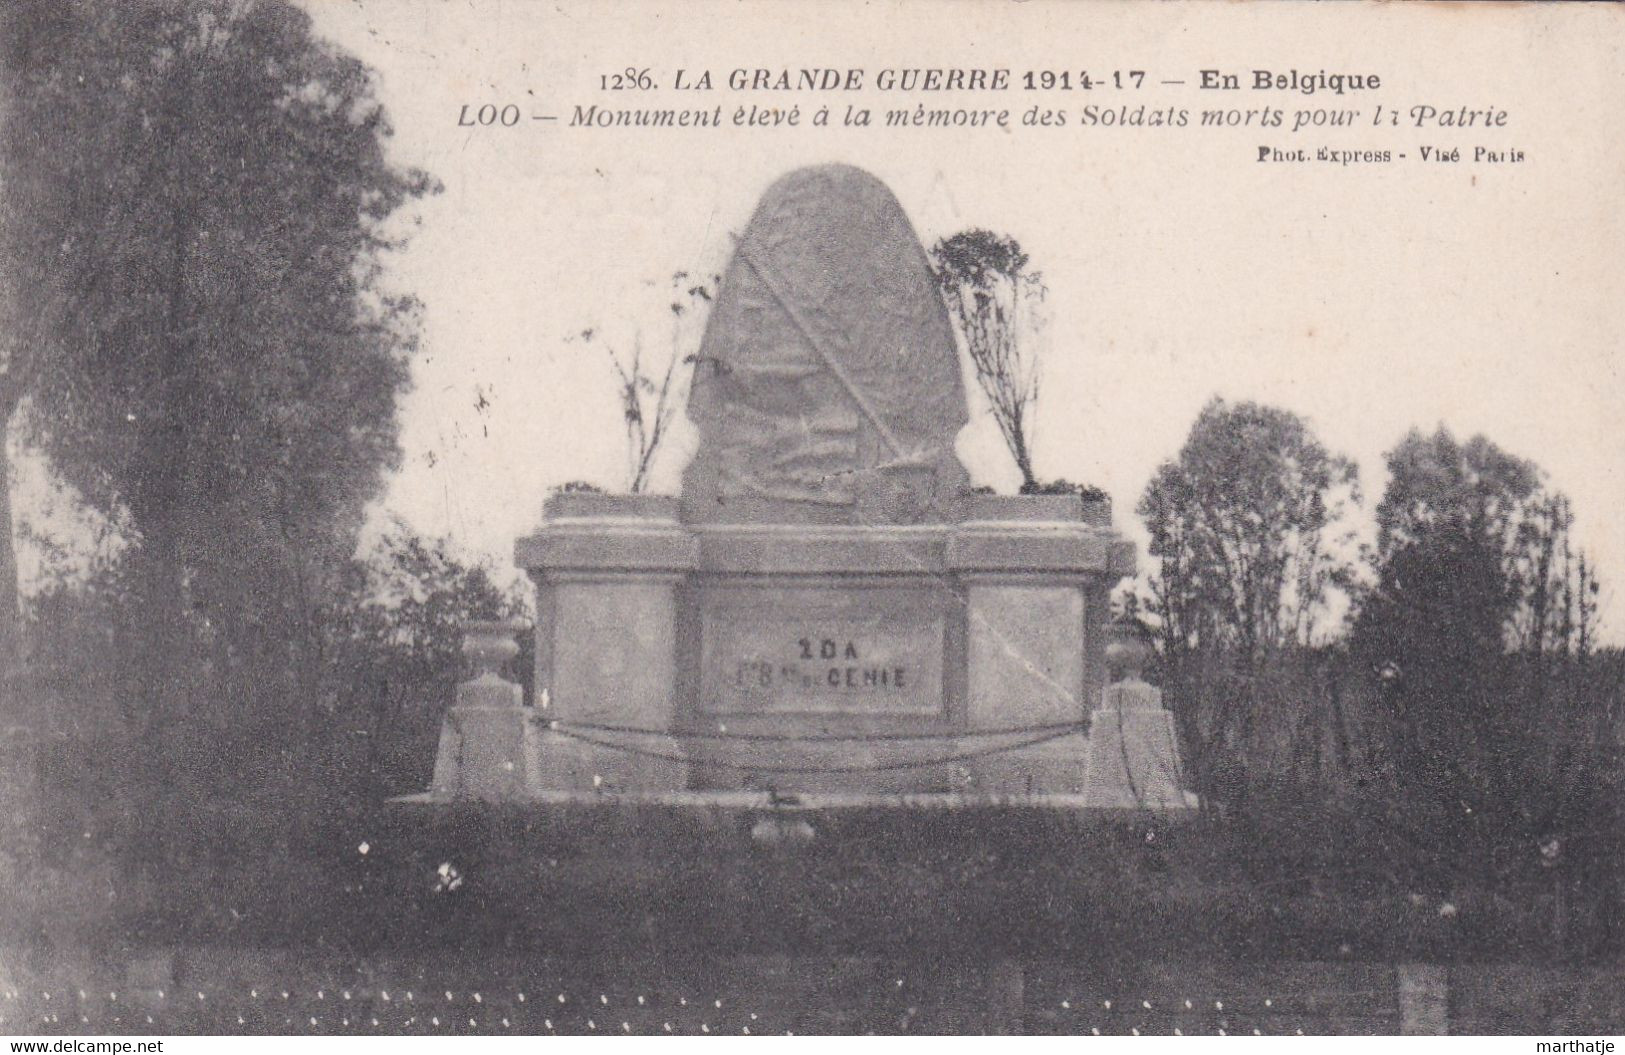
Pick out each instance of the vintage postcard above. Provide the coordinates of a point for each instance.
(566, 518)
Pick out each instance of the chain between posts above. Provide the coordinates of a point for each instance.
(918, 763)
(1058, 728)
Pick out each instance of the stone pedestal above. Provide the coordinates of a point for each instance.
(486, 753)
(486, 739)
(820, 659)
(807, 658)
(1133, 748)
(607, 569)
(1037, 580)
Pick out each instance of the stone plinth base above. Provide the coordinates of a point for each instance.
(486, 753)
(607, 569)
(1133, 751)
(816, 660)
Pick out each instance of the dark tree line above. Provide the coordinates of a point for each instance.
(1481, 625)
(1445, 683)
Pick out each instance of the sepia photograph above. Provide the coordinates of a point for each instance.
(545, 518)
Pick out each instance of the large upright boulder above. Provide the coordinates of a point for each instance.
(828, 386)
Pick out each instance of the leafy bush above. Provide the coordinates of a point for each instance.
(1089, 492)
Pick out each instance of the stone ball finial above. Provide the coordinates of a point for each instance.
(1126, 657)
(489, 643)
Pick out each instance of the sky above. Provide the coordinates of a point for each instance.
(1368, 298)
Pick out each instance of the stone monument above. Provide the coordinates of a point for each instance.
(826, 609)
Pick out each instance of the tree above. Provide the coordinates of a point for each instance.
(649, 395)
(1556, 611)
(993, 299)
(197, 208)
(1462, 562)
(1481, 602)
(46, 269)
(1241, 526)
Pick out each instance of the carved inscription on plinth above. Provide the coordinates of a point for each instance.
(877, 652)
